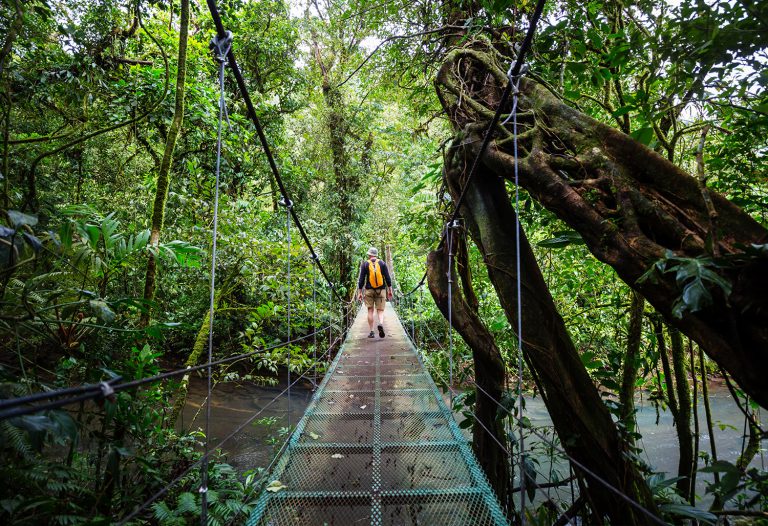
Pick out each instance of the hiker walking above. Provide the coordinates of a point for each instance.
(375, 287)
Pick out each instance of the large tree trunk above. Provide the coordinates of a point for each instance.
(631, 206)
(164, 172)
(581, 420)
(489, 372)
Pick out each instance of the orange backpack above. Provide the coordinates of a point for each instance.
(374, 274)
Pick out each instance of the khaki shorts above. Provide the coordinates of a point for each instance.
(377, 298)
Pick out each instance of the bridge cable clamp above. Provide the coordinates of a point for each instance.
(515, 79)
(286, 203)
(221, 46)
(202, 489)
(106, 390)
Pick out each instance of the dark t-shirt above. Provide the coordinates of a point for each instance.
(363, 279)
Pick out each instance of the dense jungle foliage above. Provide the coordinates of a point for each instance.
(109, 115)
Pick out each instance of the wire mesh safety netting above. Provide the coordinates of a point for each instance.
(377, 445)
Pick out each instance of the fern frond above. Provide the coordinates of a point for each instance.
(16, 438)
(187, 503)
(162, 512)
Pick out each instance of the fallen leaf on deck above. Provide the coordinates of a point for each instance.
(276, 486)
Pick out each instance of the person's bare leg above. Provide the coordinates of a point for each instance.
(380, 314)
(370, 318)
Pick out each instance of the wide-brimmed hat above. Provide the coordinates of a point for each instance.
(373, 252)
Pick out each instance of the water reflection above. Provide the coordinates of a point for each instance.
(233, 404)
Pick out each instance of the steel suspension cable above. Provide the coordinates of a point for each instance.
(413, 327)
(421, 309)
(419, 284)
(251, 110)
(221, 47)
(477, 418)
(513, 73)
(84, 391)
(554, 446)
(330, 316)
(109, 388)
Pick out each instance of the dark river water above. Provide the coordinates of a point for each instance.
(254, 446)
(233, 404)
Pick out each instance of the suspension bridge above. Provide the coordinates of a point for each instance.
(377, 445)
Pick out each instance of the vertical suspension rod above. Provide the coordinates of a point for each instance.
(314, 320)
(519, 327)
(221, 45)
(288, 207)
(450, 228)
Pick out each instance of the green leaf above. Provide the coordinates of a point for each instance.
(33, 423)
(183, 253)
(721, 466)
(657, 483)
(65, 234)
(684, 510)
(93, 233)
(622, 111)
(19, 219)
(102, 311)
(562, 240)
(162, 511)
(716, 279)
(696, 296)
(643, 135)
(32, 241)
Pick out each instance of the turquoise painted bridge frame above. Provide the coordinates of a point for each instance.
(377, 445)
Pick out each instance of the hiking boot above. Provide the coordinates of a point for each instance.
(381, 331)
(371, 335)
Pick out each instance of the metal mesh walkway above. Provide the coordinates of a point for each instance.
(377, 445)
